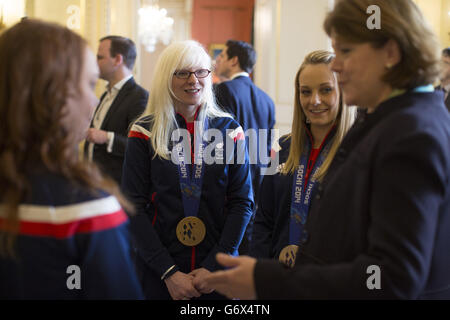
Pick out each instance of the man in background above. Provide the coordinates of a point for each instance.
(445, 76)
(122, 103)
(250, 106)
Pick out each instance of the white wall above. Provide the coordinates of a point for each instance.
(445, 24)
(181, 12)
(436, 12)
(285, 31)
(12, 11)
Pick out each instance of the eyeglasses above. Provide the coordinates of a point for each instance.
(184, 74)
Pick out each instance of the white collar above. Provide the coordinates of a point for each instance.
(239, 74)
(118, 86)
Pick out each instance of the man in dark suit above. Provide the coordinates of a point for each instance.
(251, 106)
(445, 76)
(122, 103)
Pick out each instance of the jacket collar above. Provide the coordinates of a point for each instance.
(325, 141)
(118, 100)
(239, 74)
(367, 121)
(181, 120)
(119, 85)
(398, 103)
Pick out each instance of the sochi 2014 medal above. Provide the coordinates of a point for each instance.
(288, 255)
(191, 231)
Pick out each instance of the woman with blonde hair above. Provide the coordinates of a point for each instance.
(63, 232)
(321, 120)
(193, 199)
(379, 227)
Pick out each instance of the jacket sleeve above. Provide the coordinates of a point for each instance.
(409, 186)
(107, 270)
(239, 207)
(136, 185)
(225, 99)
(135, 109)
(261, 244)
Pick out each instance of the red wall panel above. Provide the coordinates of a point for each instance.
(216, 21)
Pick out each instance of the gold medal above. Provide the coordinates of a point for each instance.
(191, 231)
(288, 255)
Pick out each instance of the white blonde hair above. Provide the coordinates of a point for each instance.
(177, 56)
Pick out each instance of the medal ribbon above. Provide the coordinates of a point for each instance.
(191, 184)
(301, 197)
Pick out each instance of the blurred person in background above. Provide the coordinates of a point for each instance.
(250, 106)
(63, 232)
(445, 76)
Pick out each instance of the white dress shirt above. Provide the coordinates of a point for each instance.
(239, 74)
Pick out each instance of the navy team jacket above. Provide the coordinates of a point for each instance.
(63, 225)
(271, 226)
(152, 184)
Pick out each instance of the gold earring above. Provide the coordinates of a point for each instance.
(388, 66)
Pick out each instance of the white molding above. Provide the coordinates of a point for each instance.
(106, 17)
(136, 5)
(89, 14)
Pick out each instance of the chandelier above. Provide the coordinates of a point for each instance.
(11, 12)
(154, 26)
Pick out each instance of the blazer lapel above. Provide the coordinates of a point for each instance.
(117, 101)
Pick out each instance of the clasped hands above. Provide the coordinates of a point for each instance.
(237, 281)
(185, 286)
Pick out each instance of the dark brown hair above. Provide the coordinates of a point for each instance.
(124, 47)
(245, 53)
(39, 63)
(401, 21)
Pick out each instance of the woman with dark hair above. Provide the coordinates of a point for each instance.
(63, 232)
(379, 225)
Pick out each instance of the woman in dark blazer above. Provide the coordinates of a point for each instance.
(379, 224)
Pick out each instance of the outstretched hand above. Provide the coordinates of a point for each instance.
(97, 136)
(238, 281)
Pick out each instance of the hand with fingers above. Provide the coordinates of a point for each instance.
(97, 136)
(199, 280)
(236, 282)
(180, 286)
